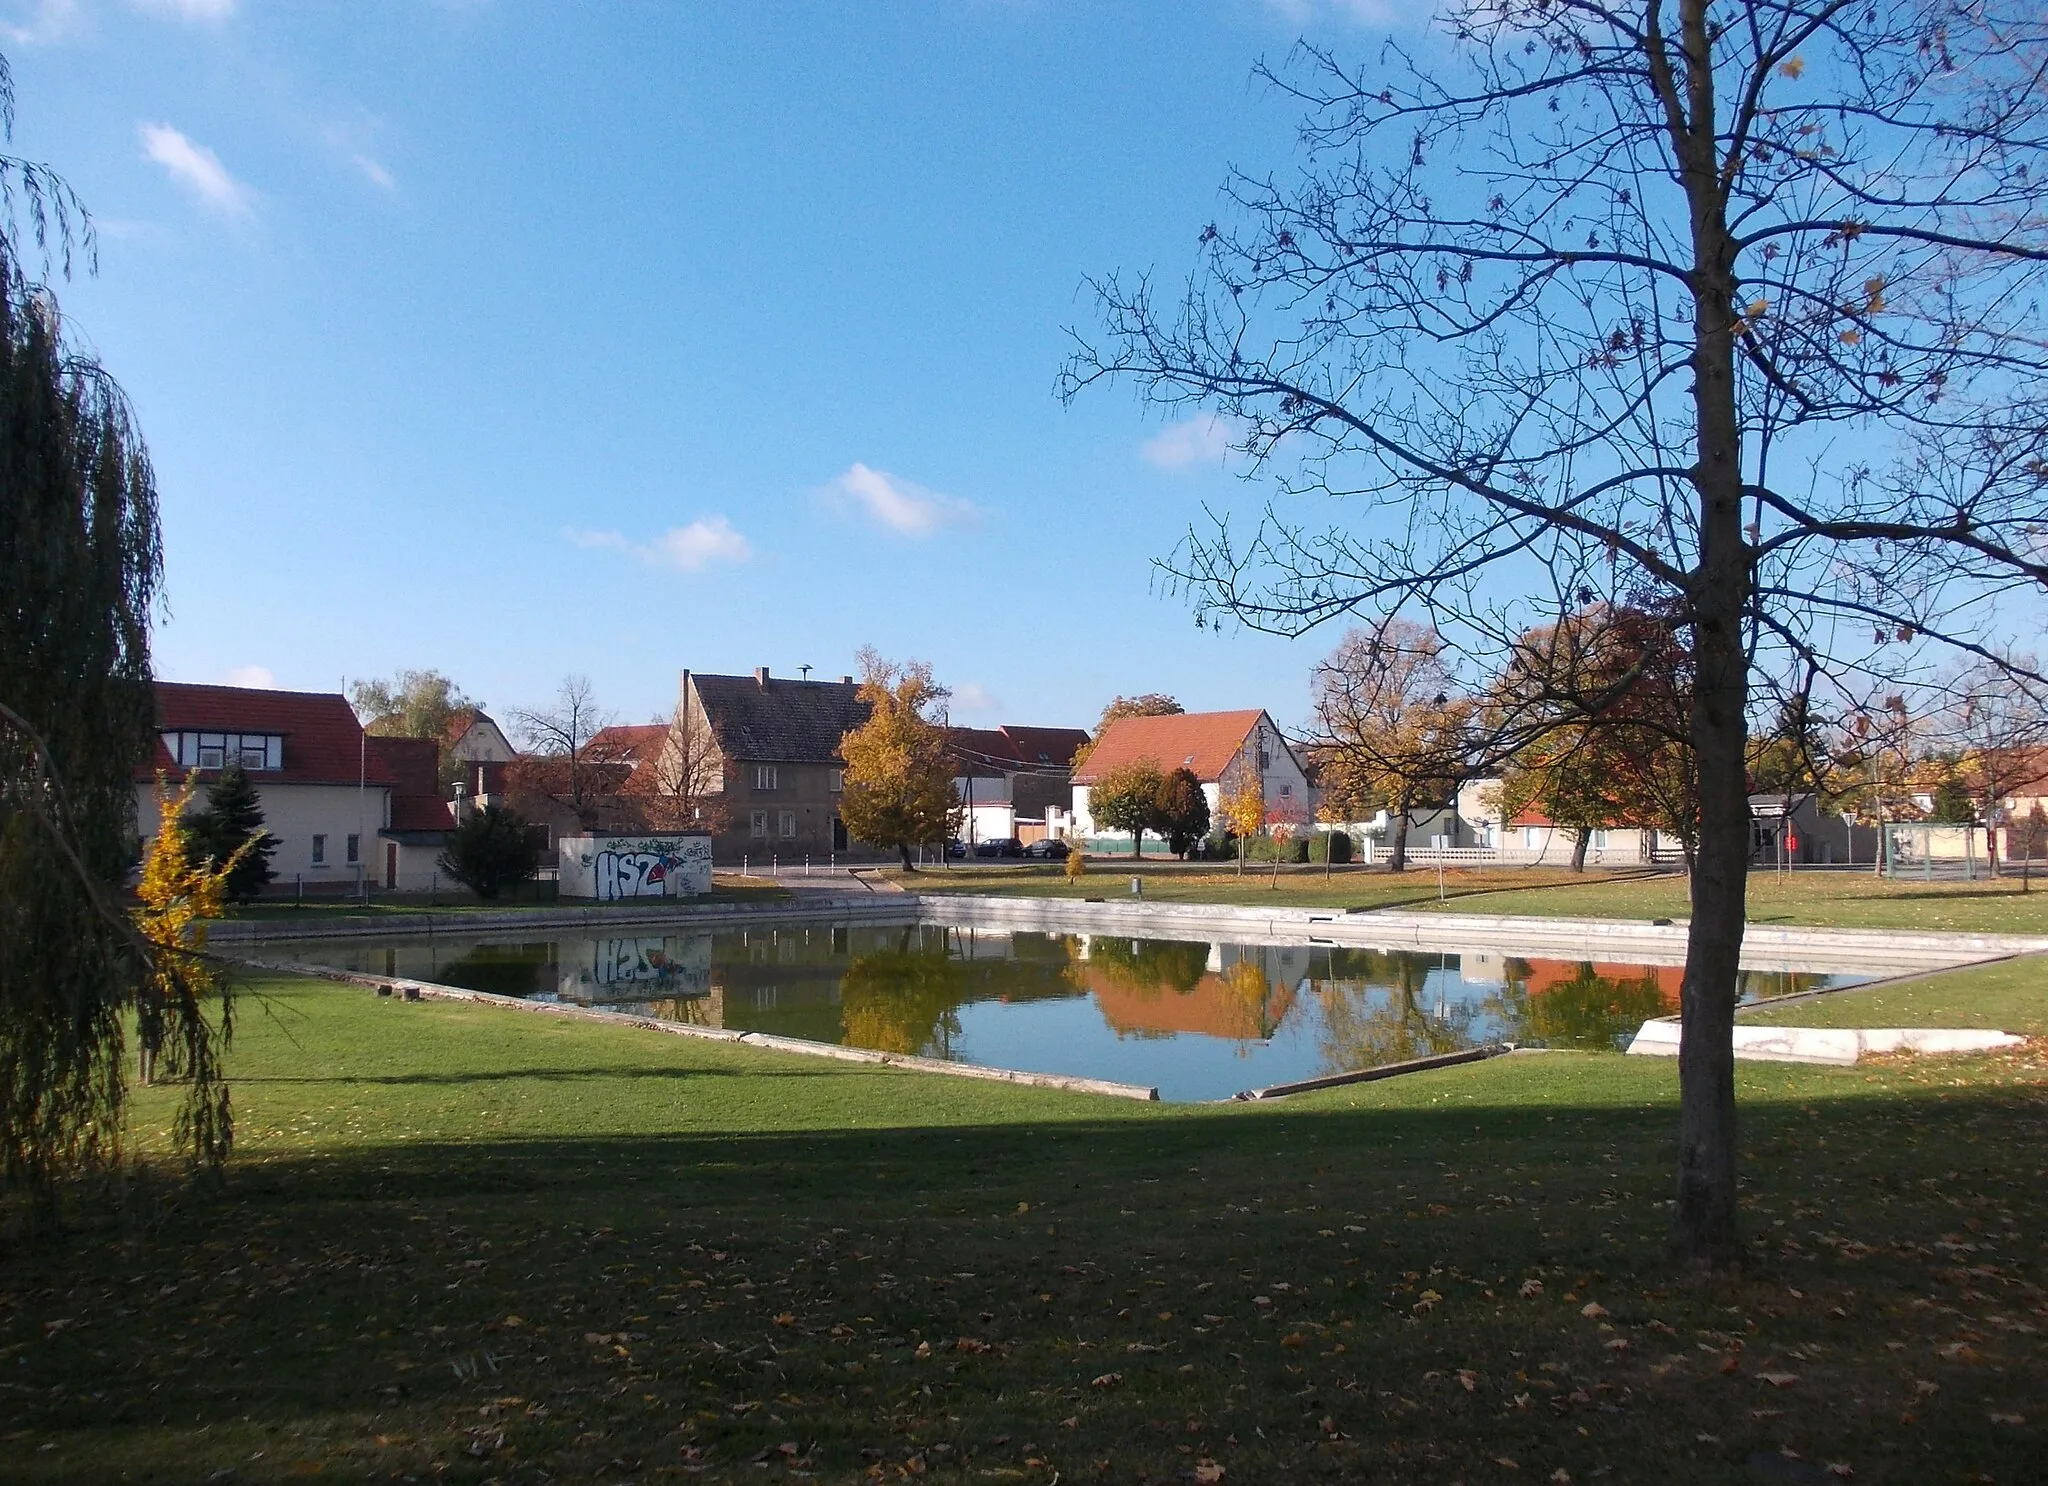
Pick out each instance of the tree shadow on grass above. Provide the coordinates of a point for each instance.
(358, 1299)
(515, 1075)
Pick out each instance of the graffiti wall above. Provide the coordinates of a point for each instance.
(621, 868)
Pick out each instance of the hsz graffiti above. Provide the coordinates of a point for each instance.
(635, 874)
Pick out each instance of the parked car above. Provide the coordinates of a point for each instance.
(986, 849)
(956, 849)
(1051, 849)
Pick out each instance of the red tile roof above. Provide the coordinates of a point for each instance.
(323, 743)
(630, 743)
(415, 767)
(1205, 742)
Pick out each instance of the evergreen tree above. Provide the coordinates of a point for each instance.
(1182, 810)
(234, 816)
(492, 850)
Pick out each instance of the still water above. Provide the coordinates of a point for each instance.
(1197, 1020)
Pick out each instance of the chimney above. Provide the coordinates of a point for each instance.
(761, 675)
(846, 681)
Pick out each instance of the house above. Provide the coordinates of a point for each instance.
(1219, 748)
(325, 792)
(1531, 837)
(1790, 830)
(1011, 779)
(475, 739)
(417, 821)
(774, 762)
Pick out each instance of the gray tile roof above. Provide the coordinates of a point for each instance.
(780, 721)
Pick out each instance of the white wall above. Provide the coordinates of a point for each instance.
(669, 865)
(294, 814)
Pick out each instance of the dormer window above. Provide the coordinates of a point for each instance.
(253, 751)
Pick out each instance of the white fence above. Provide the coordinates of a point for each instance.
(1371, 853)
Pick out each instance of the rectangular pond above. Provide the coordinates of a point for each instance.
(1197, 1019)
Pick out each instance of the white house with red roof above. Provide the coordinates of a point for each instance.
(344, 807)
(1219, 748)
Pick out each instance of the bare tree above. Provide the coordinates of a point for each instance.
(1999, 721)
(1387, 725)
(689, 775)
(1735, 302)
(563, 732)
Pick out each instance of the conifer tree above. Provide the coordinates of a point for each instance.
(234, 815)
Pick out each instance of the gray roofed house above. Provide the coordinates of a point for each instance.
(781, 766)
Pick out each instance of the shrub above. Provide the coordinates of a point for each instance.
(1332, 847)
(1077, 862)
(492, 850)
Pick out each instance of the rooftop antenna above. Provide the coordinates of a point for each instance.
(806, 670)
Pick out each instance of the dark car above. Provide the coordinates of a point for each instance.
(956, 849)
(1051, 849)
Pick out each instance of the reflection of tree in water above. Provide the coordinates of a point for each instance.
(1587, 1010)
(1259, 1004)
(897, 1000)
(505, 969)
(1765, 985)
(1149, 965)
(1373, 1013)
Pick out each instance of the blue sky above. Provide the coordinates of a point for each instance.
(517, 340)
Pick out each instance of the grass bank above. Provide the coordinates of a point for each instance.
(1849, 900)
(465, 1245)
(456, 903)
(2010, 996)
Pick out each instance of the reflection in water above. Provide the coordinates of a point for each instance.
(1199, 1020)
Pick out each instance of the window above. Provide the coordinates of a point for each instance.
(836, 781)
(319, 851)
(764, 776)
(355, 844)
(788, 825)
(1597, 840)
(1532, 837)
(1286, 789)
(760, 825)
(253, 751)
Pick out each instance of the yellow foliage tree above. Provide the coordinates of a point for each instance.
(1244, 808)
(174, 1037)
(898, 789)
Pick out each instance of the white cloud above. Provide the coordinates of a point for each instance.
(1202, 439)
(687, 549)
(376, 173)
(903, 506)
(206, 12)
(976, 700)
(258, 677)
(197, 169)
(47, 21)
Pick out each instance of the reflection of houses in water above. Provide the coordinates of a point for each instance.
(1239, 993)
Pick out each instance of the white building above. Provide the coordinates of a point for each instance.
(1219, 748)
(344, 808)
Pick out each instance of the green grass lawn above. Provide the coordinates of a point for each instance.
(2010, 996)
(463, 1244)
(1837, 899)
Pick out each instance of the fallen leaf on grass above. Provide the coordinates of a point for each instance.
(1924, 1389)
(1997, 1418)
(1294, 1339)
(1530, 1289)
(1841, 1470)
(924, 1349)
(1207, 1473)
(969, 1344)
(1592, 1310)
(1136, 1349)
(1467, 1379)
(1107, 1380)
(1561, 1477)
(1502, 1460)
(1957, 1352)
(1778, 1379)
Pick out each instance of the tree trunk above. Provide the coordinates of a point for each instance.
(1704, 1227)
(1397, 851)
(1138, 842)
(908, 864)
(1579, 840)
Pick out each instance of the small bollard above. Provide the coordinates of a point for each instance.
(1137, 887)
(412, 993)
(383, 990)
